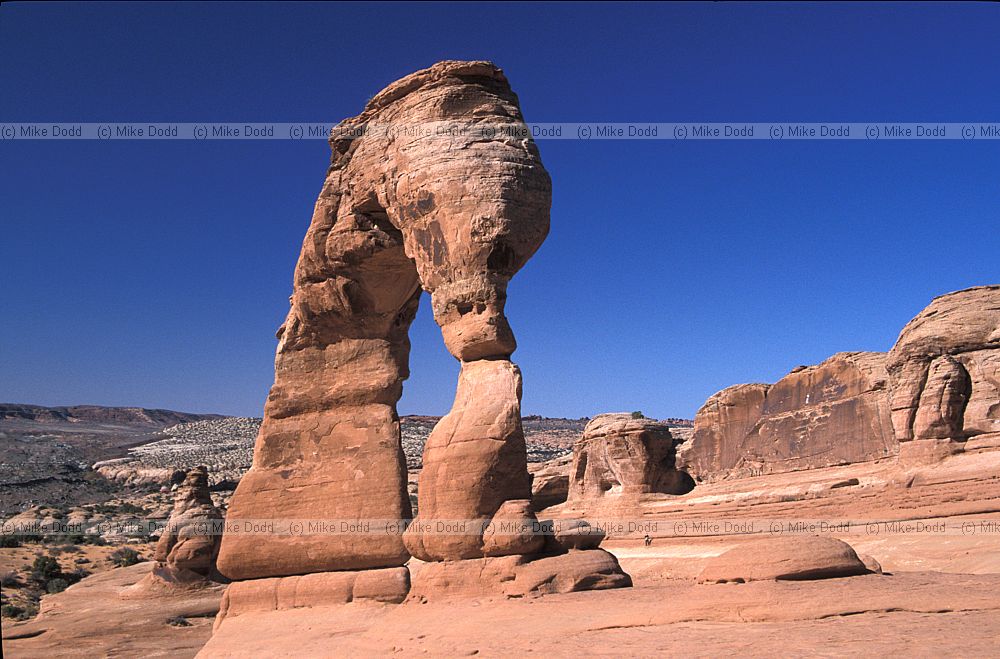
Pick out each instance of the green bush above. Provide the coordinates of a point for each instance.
(8, 541)
(45, 568)
(56, 585)
(124, 557)
(638, 415)
(10, 580)
(11, 611)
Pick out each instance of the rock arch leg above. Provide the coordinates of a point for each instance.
(329, 447)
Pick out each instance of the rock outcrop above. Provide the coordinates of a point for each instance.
(550, 482)
(794, 558)
(939, 385)
(618, 454)
(945, 368)
(186, 552)
(818, 416)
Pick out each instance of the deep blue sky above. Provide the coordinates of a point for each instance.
(155, 273)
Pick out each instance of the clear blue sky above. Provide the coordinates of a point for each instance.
(155, 273)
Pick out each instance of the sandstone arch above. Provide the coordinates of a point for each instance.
(456, 214)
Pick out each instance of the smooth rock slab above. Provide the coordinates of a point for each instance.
(797, 558)
(388, 585)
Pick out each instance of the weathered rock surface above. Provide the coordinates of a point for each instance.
(945, 368)
(618, 454)
(474, 461)
(186, 551)
(455, 213)
(513, 530)
(550, 482)
(321, 588)
(517, 576)
(833, 413)
(189, 545)
(794, 558)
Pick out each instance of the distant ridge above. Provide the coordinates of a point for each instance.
(99, 414)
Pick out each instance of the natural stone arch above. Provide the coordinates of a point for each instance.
(454, 213)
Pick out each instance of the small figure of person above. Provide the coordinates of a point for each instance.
(647, 540)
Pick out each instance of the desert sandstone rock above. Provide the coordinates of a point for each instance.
(818, 416)
(517, 576)
(792, 558)
(474, 461)
(618, 454)
(939, 386)
(189, 545)
(945, 368)
(321, 588)
(550, 482)
(453, 212)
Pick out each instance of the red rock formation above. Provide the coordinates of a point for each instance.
(455, 214)
(426, 192)
(618, 454)
(819, 416)
(945, 368)
(795, 558)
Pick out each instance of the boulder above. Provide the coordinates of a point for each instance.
(789, 558)
(517, 576)
(563, 535)
(618, 454)
(593, 569)
(835, 413)
(514, 529)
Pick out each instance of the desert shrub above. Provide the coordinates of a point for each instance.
(83, 560)
(11, 611)
(638, 415)
(178, 621)
(32, 537)
(10, 580)
(8, 541)
(45, 568)
(131, 509)
(56, 585)
(123, 557)
(76, 575)
(93, 539)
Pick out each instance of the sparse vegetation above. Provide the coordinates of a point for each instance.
(8, 541)
(124, 557)
(638, 415)
(10, 580)
(45, 568)
(56, 585)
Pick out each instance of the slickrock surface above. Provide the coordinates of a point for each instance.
(618, 454)
(916, 613)
(90, 619)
